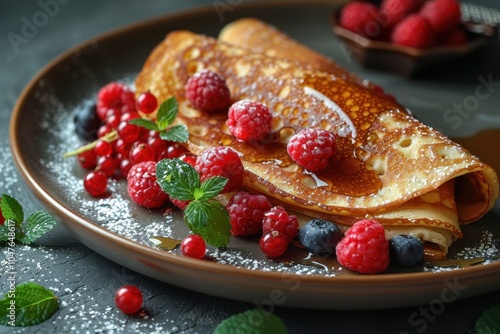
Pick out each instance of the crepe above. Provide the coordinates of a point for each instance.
(389, 166)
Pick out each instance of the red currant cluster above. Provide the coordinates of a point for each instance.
(121, 145)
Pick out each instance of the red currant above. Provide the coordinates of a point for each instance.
(103, 148)
(193, 246)
(121, 147)
(87, 159)
(147, 103)
(175, 150)
(107, 165)
(190, 158)
(104, 130)
(129, 115)
(273, 243)
(113, 118)
(95, 182)
(156, 143)
(125, 166)
(128, 132)
(141, 152)
(129, 299)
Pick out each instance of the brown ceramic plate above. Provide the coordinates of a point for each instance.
(408, 61)
(120, 230)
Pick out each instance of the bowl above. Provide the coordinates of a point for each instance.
(408, 61)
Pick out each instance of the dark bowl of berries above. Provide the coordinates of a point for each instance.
(408, 37)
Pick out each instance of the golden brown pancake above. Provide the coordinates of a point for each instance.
(389, 166)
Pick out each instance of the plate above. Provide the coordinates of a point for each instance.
(41, 131)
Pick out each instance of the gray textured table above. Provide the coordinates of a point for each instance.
(84, 281)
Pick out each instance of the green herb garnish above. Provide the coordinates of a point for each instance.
(203, 215)
(489, 321)
(26, 305)
(163, 125)
(255, 321)
(14, 228)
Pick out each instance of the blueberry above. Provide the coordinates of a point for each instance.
(320, 237)
(87, 122)
(405, 250)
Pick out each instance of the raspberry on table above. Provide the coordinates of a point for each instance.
(221, 161)
(207, 91)
(142, 186)
(414, 31)
(278, 219)
(249, 120)
(311, 148)
(442, 15)
(364, 248)
(114, 95)
(246, 212)
(361, 18)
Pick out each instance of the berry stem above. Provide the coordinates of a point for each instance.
(111, 136)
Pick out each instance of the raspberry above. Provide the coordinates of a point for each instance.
(142, 186)
(361, 18)
(442, 15)
(221, 161)
(311, 148)
(246, 212)
(395, 10)
(364, 248)
(114, 95)
(414, 31)
(277, 219)
(249, 120)
(207, 91)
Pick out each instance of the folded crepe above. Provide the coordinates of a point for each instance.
(389, 166)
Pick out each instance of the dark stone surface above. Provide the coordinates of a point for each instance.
(84, 281)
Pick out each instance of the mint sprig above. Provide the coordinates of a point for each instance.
(489, 321)
(203, 215)
(15, 229)
(167, 112)
(26, 305)
(252, 321)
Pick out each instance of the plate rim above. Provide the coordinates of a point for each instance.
(71, 219)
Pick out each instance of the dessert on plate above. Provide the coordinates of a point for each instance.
(388, 165)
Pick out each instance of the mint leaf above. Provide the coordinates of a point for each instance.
(4, 233)
(11, 209)
(177, 133)
(38, 224)
(210, 219)
(177, 178)
(252, 321)
(489, 321)
(212, 186)
(28, 304)
(145, 123)
(167, 113)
